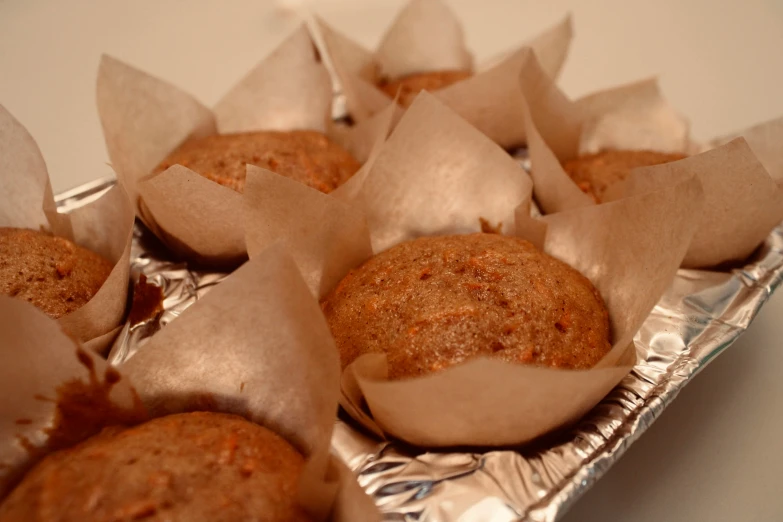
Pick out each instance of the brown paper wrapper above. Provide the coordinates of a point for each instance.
(363, 138)
(764, 140)
(323, 232)
(270, 360)
(436, 174)
(428, 167)
(631, 116)
(427, 37)
(348, 59)
(144, 119)
(742, 201)
(104, 226)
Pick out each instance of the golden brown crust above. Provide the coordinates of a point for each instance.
(185, 467)
(50, 272)
(306, 156)
(410, 86)
(437, 301)
(595, 173)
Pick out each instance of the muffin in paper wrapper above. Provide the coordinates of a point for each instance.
(104, 226)
(743, 201)
(256, 346)
(427, 37)
(436, 174)
(144, 119)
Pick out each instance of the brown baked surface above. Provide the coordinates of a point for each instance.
(179, 468)
(306, 156)
(50, 272)
(410, 86)
(594, 173)
(434, 302)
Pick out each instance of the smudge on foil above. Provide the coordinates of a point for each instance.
(699, 317)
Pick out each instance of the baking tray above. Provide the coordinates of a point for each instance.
(701, 315)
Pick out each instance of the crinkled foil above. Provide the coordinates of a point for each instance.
(699, 317)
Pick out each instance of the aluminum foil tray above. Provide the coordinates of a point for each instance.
(700, 316)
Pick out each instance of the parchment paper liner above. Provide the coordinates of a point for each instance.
(325, 236)
(256, 346)
(742, 202)
(144, 119)
(104, 226)
(426, 36)
(765, 141)
(435, 175)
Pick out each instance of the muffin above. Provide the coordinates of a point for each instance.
(435, 302)
(50, 272)
(595, 173)
(184, 467)
(305, 156)
(410, 86)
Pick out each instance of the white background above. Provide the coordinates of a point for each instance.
(716, 453)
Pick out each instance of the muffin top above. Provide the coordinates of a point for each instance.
(410, 86)
(595, 173)
(305, 156)
(50, 272)
(435, 302)
(184, 467)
